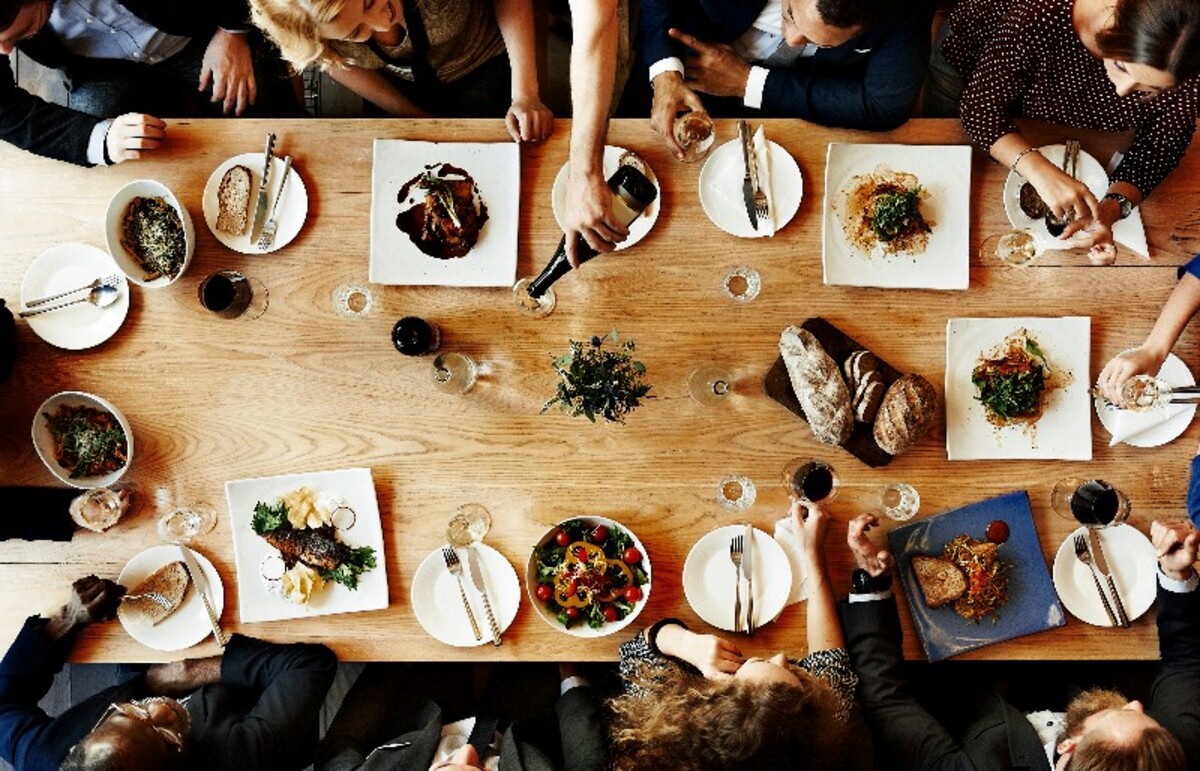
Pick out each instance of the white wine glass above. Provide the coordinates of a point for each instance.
(1017, 249)
(187, 522)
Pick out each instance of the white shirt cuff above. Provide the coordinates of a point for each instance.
(1178, 587)
(754, 87)
(573, 682)
(872, 597)
(670, 64)
(95, 148)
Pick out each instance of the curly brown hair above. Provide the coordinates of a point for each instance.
(671, 718)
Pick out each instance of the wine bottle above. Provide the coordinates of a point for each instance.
(632, 192)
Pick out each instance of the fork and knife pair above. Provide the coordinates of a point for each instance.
(1090, 552)
(454, 565)
(264, 228)
(752, 192)
(741, 553)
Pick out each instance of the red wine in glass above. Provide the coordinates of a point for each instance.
(810, 480)
(226, 293)
(1096, 502)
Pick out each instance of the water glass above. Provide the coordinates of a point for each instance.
(96, 509)
(899, 501)
(736, 493)
(353, 301)
(454, 373)
(742, 283)
(187, 522)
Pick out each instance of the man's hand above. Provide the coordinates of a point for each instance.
(714, 68)
(229, 68)
(812, 525)
(92, 599)
(132, 133)
(867, 555)
(1176, 543)
(1123, 366)
(589, 214)
(529, 120)
(671, 97)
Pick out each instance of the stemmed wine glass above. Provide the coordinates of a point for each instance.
(454, 373)
(186, 522)
(469, 525)
(710, 385)
(1091, 502)
(1017, 249)
(534, 307)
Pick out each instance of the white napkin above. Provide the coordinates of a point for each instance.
(785, 535)
(1131, 233)
(762, 154)
(1128, 424)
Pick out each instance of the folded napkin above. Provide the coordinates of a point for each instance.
(785, 535)
(762, 152)
(1131, 233)
(1125, 425)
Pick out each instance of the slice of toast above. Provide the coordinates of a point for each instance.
(233, 200)
(940, 579)
(171, 581)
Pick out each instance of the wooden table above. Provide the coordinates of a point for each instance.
(303, 389)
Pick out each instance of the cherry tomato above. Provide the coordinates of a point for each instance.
(633, 593)
(631, 556)
(544, 592)
(997, 531)
(610, 613)
(599, 534)
(562, 538)
(572, 613)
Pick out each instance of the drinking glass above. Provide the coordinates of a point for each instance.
(695, 133)
(1091, 502)
(742, 283)
(454, 373)
(186, 522)
(1017, 249)
(230, 295)
(808, 479)
(353, 301)
(899, 501)
(736, 493)
(534, 307)
(469, 525)
(96, 509)
(710, 385)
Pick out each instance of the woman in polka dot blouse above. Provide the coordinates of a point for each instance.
(1111, 65)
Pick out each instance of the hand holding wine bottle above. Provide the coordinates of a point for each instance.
(590, 220)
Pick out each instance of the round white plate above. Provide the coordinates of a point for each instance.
(1133, 564)
(189, 624)
(438, 604)
(291, 213)
(709, 577)
(43, 440)
(1090, 171)
(1175, 372)
(70, 266)
(721, 189)
(612, 157)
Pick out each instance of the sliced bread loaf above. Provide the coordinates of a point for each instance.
(233, 199)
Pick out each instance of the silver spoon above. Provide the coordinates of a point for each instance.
(101, 297)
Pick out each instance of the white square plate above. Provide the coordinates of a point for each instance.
(1064, 431)
(943, 170)
(255, 600)
(496, 169)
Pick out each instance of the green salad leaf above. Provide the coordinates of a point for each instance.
(268, 519)
(361, 560)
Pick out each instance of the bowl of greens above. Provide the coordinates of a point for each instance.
(588, 577)
(83, 440)
(149, 233)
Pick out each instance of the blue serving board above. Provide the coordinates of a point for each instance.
(1032, 605)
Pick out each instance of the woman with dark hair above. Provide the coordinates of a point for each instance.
(1110, 65)
(693, 701)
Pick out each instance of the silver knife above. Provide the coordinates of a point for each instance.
(264, 192)
(201, 584)
(477, 579)
(748, 569)
(1102, 566)
(747, 185)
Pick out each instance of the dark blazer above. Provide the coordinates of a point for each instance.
(580, 728)
(870, 82)
(995, 735)
(262, 715)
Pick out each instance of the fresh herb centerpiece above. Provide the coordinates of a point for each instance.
(599, 377)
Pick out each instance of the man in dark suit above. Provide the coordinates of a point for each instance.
(1102, 730)
(254, 707)
(391, 722)
(847, 63)
(123, 59)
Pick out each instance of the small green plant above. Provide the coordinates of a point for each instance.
(599, 380)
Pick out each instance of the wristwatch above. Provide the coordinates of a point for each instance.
(1125, 204)
(862, 582)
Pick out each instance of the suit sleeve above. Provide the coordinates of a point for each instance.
(1176, 694)
(903, 728)
(658, 16)
(26, 674)
(42, 128)
(581, 729)
(877, 96)
(292, 681)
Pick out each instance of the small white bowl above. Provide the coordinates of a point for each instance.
(581, 629)
(43, 440)
(146, 188)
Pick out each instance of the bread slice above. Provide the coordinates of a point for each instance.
(940, 579)
(171, 581)
(233, 198)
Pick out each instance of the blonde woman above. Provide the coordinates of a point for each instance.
(420, 58)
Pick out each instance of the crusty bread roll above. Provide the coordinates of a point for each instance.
(233, 200)
(907, 412)
(819, 386)
(940, 580)
(171, 581)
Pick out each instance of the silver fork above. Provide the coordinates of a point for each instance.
(735, 556)
(267, 237)
(112, 280)
(1085, 556)
(158, 599)
(455, 568)
(760, 198)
